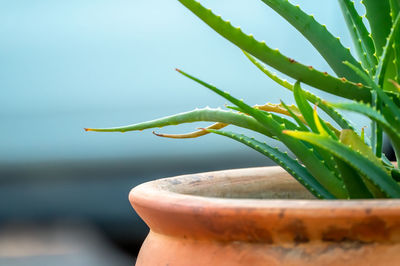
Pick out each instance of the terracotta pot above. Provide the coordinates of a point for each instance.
(261, 216)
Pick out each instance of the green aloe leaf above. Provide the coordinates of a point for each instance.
(395, 174)
(353, 182)
(394, 9)
(321, 80)
(351, 139)
(338, 118)
(378, 96)
(324, 130)
(264, 118)
(390, 73)
(318, 35)
(391, 120)
(378, 176)
(278, 119)
(396, 51)
(307, 111)
(293, 167)
(206, 114)
(359, 33)
(375, 116)
(302, 126)
(368, 111)
(316, 167)
(378, 15)
(382, 95)
(387, 56)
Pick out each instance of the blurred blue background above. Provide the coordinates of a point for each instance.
(73, 64)
(66, 65)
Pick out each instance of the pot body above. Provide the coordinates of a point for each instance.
(261, 216)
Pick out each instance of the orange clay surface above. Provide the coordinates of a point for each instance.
(219, 218)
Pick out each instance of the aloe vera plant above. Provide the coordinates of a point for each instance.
(333, 161)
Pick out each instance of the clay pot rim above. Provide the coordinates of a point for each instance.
(161, 195)
(168, 212)
(302, 229)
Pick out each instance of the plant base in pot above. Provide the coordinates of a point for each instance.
(261, 216)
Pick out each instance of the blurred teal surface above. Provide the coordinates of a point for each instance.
(65, 65)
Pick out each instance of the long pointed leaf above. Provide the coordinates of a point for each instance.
(206, 114)
(338, 118)
(308, 112)
(394, 9)
(373, 172)
(387, 51)
(377, 117)
(378, 15)
(284, 123)
(353, 181)
(367, 111)
(359, 33)
(299, 172)
(352, 140)
(305, 109)
(194, 134)
(327, 45)
(376, 130)
(305, 74)
(301, 124)
(316, 167)
(382, 95)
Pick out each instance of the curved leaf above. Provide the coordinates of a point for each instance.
(382, 95)
(194, 134)
(299, 172)
(206, 114)
(304, 107)
(387, 51)
(338, 118)
(359, 33)
(378, 15)
(301, 124)
(316, 167)
(394, 8)
(353, 182)
(274, 58)
(352, 140)
(377, 174)
(327, 45)
(308, 112)
(375, 116)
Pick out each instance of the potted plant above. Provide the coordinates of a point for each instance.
(239, 217)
